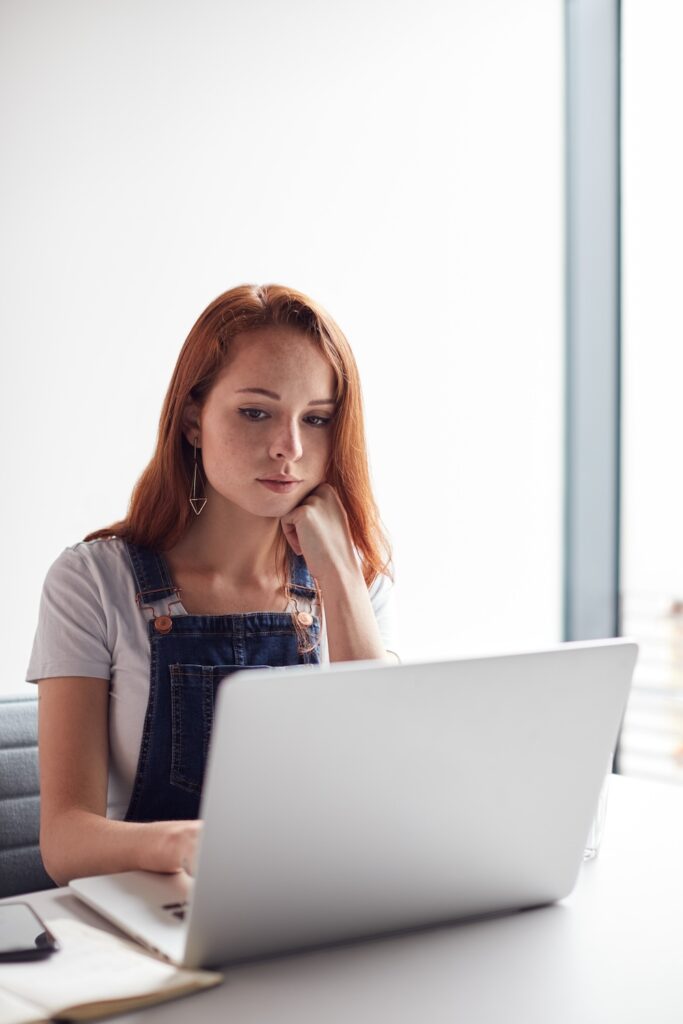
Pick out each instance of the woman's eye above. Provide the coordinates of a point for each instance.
(254, 414)
(318, 421)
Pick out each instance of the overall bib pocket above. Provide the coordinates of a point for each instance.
(189, 655)
(193, 696)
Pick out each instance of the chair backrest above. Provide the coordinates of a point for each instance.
(21, 867)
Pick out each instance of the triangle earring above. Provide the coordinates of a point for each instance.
(197, 501)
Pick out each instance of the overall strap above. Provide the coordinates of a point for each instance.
(152, 577)
(300, 579)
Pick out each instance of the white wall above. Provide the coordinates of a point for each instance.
(400, 161)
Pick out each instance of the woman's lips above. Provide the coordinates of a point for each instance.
(280, 486)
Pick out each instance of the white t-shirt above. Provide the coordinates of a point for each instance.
(90, 625)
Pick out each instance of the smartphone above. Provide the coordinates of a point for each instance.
(23, 936)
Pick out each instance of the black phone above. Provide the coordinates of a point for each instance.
(23, 936)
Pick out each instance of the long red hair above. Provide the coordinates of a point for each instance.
(159, 512)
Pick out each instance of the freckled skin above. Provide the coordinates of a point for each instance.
(279, 437)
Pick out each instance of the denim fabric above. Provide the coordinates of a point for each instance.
(187, 664)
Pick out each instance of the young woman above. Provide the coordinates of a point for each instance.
(252, 539)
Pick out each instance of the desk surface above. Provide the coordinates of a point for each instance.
(611, 952)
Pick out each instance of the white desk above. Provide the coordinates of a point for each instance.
(611, 952)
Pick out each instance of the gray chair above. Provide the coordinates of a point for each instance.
(21, 867)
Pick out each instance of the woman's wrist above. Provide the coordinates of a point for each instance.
(168, 846)
(342, 578)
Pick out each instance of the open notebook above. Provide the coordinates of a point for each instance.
(94, 974)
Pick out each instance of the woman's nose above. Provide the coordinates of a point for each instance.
(287, 443)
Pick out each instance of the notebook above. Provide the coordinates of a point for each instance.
(363, 798)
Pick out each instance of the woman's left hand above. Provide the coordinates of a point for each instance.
(318, 529)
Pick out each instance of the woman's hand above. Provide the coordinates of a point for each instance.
(175, 847)
(318, 529)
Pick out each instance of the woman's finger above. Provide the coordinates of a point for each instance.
(292, 538)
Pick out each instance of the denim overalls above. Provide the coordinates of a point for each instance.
(190, 654)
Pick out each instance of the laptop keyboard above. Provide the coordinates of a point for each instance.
(177, 909)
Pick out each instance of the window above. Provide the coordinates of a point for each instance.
(652, 467)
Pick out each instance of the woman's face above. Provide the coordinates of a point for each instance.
(266, 425)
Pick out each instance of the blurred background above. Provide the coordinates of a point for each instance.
(405, 164)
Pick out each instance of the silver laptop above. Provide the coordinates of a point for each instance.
(364, 798)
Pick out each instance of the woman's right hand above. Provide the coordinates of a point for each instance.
(175, 847)
(76, 837)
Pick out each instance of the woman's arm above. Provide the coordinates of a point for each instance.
(352, 630)
(318, 528)
(76, 837)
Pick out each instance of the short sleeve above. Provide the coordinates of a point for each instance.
(71, 636)
(383, 602)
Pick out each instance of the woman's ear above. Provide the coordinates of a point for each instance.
(192, 424)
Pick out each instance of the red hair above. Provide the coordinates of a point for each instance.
(159, 512)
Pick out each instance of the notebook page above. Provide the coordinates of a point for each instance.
(94, 970)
